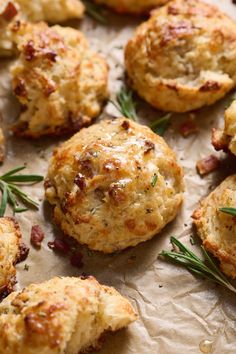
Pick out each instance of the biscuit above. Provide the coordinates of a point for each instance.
(132, 6)
(62, 315)
(53, 11)
(183, 57)
(11, 247)
(60, 83)
(114, 185)
(226, 139)
(217, 229)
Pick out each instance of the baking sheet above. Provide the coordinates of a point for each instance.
(176, 311)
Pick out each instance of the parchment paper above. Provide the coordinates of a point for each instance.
(176, 311)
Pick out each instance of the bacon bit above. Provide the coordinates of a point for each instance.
(20, 88)
(80, 181)
(49, 88)
(210, 86)
(174, 31)
(86, 167)
(149, 146)
(173, 10)
(125, 125)
(47, 183)
(84, 276)
(59, 246)
(234, 217)
(117, 194)
(10, 12)
(76, 259)
(207, 165)
(234, 1)
(51, 56)
(187, 128)
(37, 236)
(29, 51)
(24, 252)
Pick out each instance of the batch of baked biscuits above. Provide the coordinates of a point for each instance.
(116, 183)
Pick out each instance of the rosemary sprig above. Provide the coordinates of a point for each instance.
(230, 211)
(95, 12)
(160, 126)
(205, 268)
(12, 194)
(125, 103)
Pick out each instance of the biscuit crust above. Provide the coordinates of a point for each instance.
(114, 185)
(53, 11)
(226, 139)
(183, 57)
(132, 6)
(60, 83)
(217, 229)
(10, 252)
(62, 315)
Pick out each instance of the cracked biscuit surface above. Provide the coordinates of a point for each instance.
(114, 185)
(62, 315)
(183, 57)
(53, 11)
(132, 6)
(60, 83)
(10, 252)
(217, 229)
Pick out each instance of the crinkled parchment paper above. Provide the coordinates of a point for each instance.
(176, 311)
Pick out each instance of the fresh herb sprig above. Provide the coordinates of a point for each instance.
(12, 194)
(230, 211)
(205, 268)
(161, 125)
(126, 104)
(127, 107)
(154, 180)
(95, 12)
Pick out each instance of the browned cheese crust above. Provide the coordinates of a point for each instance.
(183, 57)
(114, 185)
(217, 229)
(60, 83)
(61, 316)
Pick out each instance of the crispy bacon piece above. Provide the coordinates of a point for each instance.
(187, 128)
(59, 246)
(76, 259)
(37, 236)
(10, 11)
(219, 140)
(207, 165)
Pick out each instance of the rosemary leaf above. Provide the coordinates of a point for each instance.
(4, 200)
(126, 103)
(205, 268)
(160, 126)
(230, 211)
(12, 194)
(95, 12)
(154, 180)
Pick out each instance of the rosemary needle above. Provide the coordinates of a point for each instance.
(95, 12)
(205, 268)
(125, 103)
(230, 211)
(160, 126)
(12, 194)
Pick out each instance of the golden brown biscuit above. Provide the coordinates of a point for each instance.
(132, 6)
(226, 139)
(217, 229)
(10, 252)
(60, 83)
(2, 146)
(53, 11)
(183, 57)
(114, 185)
(62, 315)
